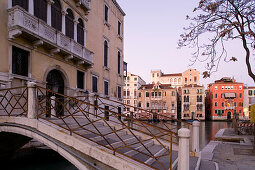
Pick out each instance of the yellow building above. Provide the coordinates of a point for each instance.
(68, 46)
(193, 102)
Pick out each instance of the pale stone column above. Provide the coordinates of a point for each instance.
(75, 29)
(183, 153)
(9, 4)
(31, 7)
(49, 11)
(195, 137)
(85, 36)
(53, 106)
(31, 102)
(63, 22)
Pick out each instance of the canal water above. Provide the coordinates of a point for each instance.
(50, 160)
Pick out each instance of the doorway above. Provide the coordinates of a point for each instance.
(229, 116)
(55, 82)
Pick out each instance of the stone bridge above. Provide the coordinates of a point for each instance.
(92, 136)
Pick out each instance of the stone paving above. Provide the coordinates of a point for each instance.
(231, 155)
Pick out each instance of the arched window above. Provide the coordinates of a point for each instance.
(80, 32)
(40, 9)
(56, 16)
(23, 3)
(69, 24)
(105, 53)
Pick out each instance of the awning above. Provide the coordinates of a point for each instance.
(230, 95)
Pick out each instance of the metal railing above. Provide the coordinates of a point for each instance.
(103, 124)
(13, 101)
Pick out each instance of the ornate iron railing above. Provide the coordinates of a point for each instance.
(13, 101)
(102, 124)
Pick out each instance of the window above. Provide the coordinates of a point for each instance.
(69, 22)
(106, 9)
(152, 94)
(240, 111)
(222, 111)
(119, 61)
(148, 104)
(56, 15)
(216, 95)
(128, 101)
(19, 61)
(40, 9)
(106, 88)
(199, 98)
(128, 93)
(240, 87)
(119, 28)
(165, 93)
(222, 87)
(135, 93)
(94, 84)
(105, 53)
(147, 94)
(23, 3)
(199, 107)
(159, 94)
(216, 87)
(124, 93)
(222, 94)
(215, 111)
(80, 32)
(250, 92)
(215, 104)
(127, 84)
(186, 80)
(139, 104)
(186, 98)
(240, 95)
(235, 104)
(240, 104)
(173, 93)
(139, 94)
(222, 104)
(135, 79)
(135, 84)
(195, 79)
(119, 92)
(106, 113)
(80, 79)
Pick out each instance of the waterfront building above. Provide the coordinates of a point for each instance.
(160, 99)
(190, 76)
(225, 97)
(130, 93)
(248, 100)
(193, 102)
(71, 46)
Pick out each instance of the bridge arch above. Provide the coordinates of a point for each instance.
(55, 145)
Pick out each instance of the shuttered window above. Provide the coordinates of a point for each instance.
(69, 24)
(119, 91)
(119, 59)
(80, 32)
(21, 3)
(106, 88)
(94, 84)
(105, 53)
(40, 9)
(19, 61)
(56, 15)
(80, 79)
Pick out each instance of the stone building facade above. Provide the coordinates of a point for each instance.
(130, 92)
(68, 46)
(248, 100)
(160, 99)
(193, 102)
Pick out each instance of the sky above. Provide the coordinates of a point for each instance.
(151, 32)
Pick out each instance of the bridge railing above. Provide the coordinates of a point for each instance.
(104, 125)
(13, 101)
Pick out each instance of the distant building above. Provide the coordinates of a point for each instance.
(249, 99)
(190, 76)
(161, 99)
(193, 102)
(225, 97)
(132, 84)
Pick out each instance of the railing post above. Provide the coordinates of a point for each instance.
(31, 103)
(53, 106)
(183, 153)
(195, 137)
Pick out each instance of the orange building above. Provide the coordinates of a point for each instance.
(225, 97)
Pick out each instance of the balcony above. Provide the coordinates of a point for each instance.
(85, 4)
(230, 107)
(29, 27)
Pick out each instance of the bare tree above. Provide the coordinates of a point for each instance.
(215, 23)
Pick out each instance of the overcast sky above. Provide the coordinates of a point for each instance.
(151, 32)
